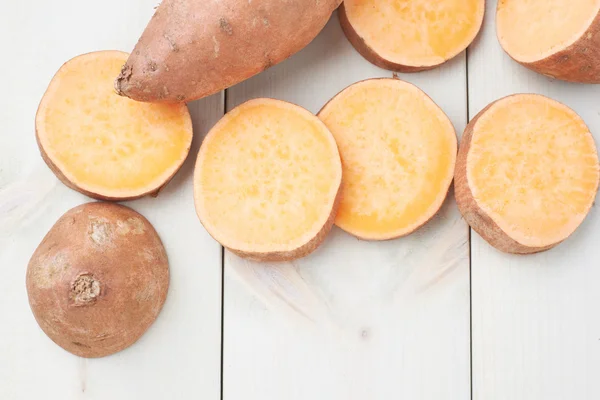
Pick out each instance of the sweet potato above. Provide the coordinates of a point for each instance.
(527, 173)
(103, 145)
(558, 38)
(192, 49)
(98, 280)
(411, 36)
(267, 181)
(398, 152)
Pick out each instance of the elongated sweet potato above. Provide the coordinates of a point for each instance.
(194, 48)
(557, 38)
(98, 280)
(411, 36)
(527, 173)
(398, 151)
(267, 181)
(103, 145)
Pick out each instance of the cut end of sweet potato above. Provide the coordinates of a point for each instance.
(533, 30)
(102, 144)
(411, 35)
(527, 173)
(267, 180)
(558, 38)
(398, 152)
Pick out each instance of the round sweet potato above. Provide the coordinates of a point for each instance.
(527, 173)
(398, 152)
(98, 280)
(103, 145)
(267, 181)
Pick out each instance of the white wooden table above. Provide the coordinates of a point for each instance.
(437, 315)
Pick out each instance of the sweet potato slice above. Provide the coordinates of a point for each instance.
(410, 36)
(527, 173)
(557, 38)
(101, 144)
(98, 279)
(267, 180)
(398, 152)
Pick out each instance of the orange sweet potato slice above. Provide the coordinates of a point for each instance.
(527, 173)
(104, 145)
(410, 36)
(267, 180)
(557, 38)
(398, 152)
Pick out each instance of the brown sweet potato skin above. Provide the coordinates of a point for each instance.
(477, 219)
(98, 279)
(580, 62)
(194, 48)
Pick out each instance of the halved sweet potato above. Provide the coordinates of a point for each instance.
(267, 180)
(557, 38)
(398, 152)
(410, 36)
(527, 173)
(98, 280)
(104, 145)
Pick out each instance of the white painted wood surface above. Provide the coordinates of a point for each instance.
(536, 324)
(355, 320)
(179, 357)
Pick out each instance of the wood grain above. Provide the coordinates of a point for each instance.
(536, 334)
(179, 356)
(356, 319)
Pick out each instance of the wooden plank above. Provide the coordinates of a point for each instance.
(355, 319)
(535, 326)
(179, 357)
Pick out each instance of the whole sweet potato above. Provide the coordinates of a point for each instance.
(194, 48)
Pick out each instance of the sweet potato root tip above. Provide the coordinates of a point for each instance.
(98, 279)
(558, 38)
(102, 144)
(267, 181)
(411, 36)
(122, 80)
(527, 173)
(398, 152)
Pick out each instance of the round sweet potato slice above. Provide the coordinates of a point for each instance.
(398, 152)
(98, 280)
(411, 36)
(557, 38)
(527, 173)
(267, 181)
(104, 145)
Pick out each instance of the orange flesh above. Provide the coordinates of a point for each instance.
(266, 177)
(533, 168)
(104, 143)
(531, 30)
(398, 153)
(416, 32)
